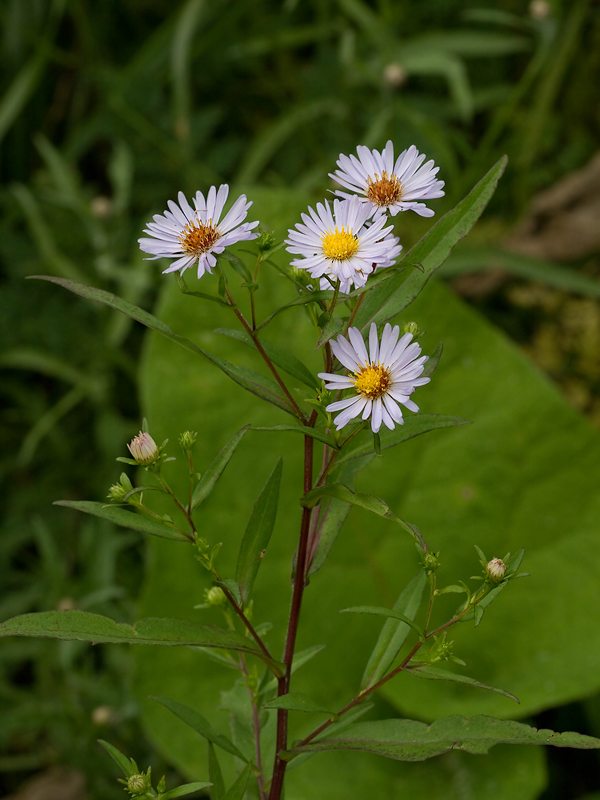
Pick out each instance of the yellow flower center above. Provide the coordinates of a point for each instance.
(372, 381)
(384, 191)
(198, 237)
(339, 245)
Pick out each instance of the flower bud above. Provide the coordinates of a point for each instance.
(411, 327)
(215, 596)
(496, 569)
(187, 440)
(143, 448)
(266, 241)
(137, 784)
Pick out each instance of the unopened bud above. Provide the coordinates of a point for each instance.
(188, 439)
(266, 241)
(496, 569)
(395, 75)
(215, 596)
(143, 448)
(413, 328)
(137, 784)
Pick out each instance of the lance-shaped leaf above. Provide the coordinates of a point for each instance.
(314, 433)
(128, 765)
(295, 701)
(278, 355)
(413, 426)
(126, 519)
(201, 725)
(324, 295)
(409, 740)
(258, 532)
(237, 790)
(299, 660)
(381, 611)
(215, 775)
(332, 515)
(394, 632)
(248, 379)
(216, 469)
(186, 788)
(367, 501)
(85, 627)
(436, 674)
(392, 296)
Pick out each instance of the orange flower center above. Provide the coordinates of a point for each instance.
(385, 190)
(198, 237)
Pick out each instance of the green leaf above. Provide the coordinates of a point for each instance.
(298, 661)
(390, 298)
(186, 788)
(278, 355)
(126, 519)
(333, 326)
(127, 764)
(201, 725)
(294, 701)
(408, 740)
(246, 378)
(413, 426)
(436, 674)
(215, 775)
(379, 611)
(314, 433)
(320, 296)
(258, 533)
(216, 469)
(367, 501)
(237, 264)
(85, 627)
(237, 789)
(394, 633)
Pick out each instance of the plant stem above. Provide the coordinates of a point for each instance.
(283, 686)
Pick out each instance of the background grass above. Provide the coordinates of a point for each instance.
(107, 110)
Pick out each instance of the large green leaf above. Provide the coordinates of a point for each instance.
(489, 483)
(126, 519)
(409, 740)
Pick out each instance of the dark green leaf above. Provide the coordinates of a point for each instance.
(436, 674)
(248, 379)
(215, 775)
(299, 660)
(126, 519)
(333, 326)
(380, 611)
(413, 426)
(310, 297)
(367, 501)
(278, 355)
(186, 788)
(314, 433)
(298, 702)
(394, 632)
(408, 740)
(233, 588)
(202, 295)
(126, 764)
(216, 469)
(258, 532)
(201, 725)
(237, 264)
(433, 361)
(237, 789)
(392, 296)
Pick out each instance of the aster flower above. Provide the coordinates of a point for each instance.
(389, 186)
(381, 379)
(340, 246)
(187, 233)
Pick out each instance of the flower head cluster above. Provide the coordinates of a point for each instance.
(340, 245)
(350, 244)
(198, 234)
(382, 379)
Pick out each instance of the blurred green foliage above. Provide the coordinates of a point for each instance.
(107, 110)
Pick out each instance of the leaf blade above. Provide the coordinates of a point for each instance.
(126, 519)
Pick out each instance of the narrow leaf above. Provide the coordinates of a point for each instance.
(258, 532)
(298, 702)
(314, 433)
(413, 426)
(83, 626)
(216, 469)
(122, 760)
(201, 725)
(299, 660)
(394, 632)
(237, 789)
(248, 379)
(435, 674)
(380, 611)
(186, 788)
(367, 501)
(392, 296)
(278, 355)
(409, 740)
(321, 296)
(333, 326)
(215, 775)
(126, 519)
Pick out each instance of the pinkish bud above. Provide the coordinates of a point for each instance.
(143, 448)
(496, 569)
